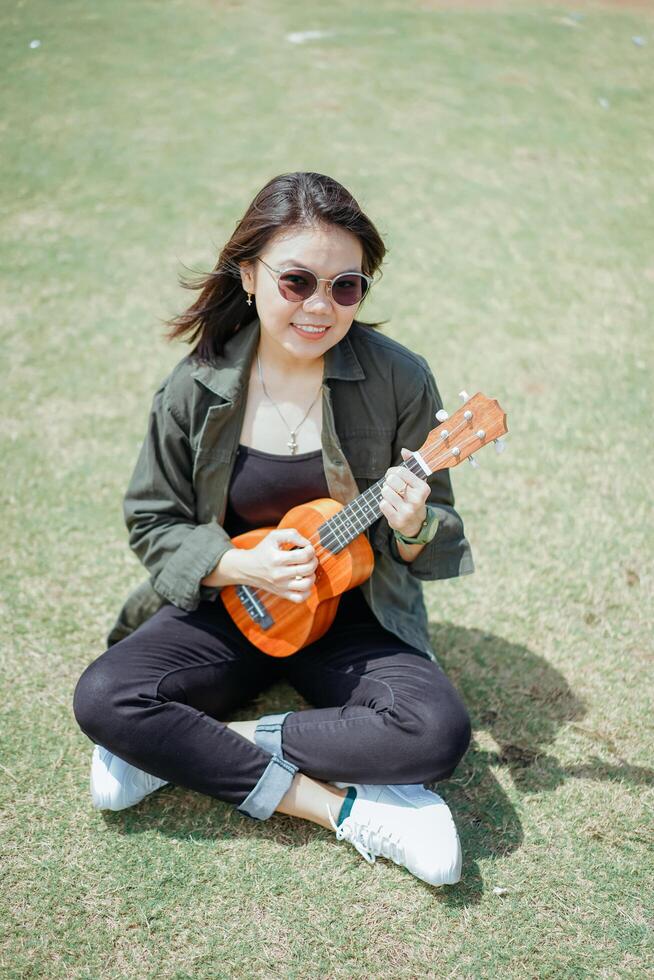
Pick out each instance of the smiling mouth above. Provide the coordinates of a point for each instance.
(310, 327)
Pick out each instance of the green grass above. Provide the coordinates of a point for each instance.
(517, 211)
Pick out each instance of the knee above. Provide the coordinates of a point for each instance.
(440, 737)
(92, 700)
(450, 738)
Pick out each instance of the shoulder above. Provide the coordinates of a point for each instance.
(383, 358)
(374, 347)
(178, 393)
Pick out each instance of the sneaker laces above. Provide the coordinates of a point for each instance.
(368, 842)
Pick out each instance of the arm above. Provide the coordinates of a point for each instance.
(159, 511)
(448, 554)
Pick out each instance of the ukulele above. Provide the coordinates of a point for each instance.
(281, 627)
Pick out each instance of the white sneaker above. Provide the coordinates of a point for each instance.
(406, 823)
(115, 784)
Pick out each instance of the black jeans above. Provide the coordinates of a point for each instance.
(384, 712)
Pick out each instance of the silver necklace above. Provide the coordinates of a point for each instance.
(292, 443)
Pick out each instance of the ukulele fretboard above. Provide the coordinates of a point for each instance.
(359, 514)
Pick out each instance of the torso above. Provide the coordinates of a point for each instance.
(264, 488)
(262, 427)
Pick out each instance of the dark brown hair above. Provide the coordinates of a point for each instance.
(287, 201)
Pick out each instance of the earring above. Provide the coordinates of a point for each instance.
(249, 299)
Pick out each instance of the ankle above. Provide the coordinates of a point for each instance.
(309, 798)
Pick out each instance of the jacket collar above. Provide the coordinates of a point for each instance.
(226, 375)
(341, 361)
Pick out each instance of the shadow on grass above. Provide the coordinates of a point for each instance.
(513, 696)
(520, 701)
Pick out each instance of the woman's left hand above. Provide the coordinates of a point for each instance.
(403, 499)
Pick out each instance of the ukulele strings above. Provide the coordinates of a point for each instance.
(288, 606)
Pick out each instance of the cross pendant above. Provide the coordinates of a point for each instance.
(292, 444)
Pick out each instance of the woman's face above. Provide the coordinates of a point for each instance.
(325, 250)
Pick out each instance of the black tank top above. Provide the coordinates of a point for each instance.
(264, 486)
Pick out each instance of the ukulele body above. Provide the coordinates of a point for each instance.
(295, 625)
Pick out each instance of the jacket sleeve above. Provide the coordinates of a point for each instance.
(448, 554)
(159, 511)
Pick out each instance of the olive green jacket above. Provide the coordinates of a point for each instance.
(377, 396)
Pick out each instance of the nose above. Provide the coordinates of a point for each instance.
(321, 299)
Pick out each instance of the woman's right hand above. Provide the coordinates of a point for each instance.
(271, 567)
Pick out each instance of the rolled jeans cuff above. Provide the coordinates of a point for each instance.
(274, 783)
(268, 733)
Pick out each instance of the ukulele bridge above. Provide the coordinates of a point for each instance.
(254, 607)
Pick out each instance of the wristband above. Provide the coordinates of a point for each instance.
(426, 533)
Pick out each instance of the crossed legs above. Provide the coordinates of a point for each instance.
(384, 713)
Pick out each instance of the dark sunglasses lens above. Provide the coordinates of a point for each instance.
(349, 289)
(297, 285)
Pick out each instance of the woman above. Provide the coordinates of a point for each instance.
(286, 398)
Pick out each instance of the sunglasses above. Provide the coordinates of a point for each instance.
(297, 285)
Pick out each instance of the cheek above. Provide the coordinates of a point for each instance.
(344, 318)
(275, 307)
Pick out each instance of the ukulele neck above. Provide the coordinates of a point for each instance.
(359, 514)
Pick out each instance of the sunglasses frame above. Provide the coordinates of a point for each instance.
(298, 268)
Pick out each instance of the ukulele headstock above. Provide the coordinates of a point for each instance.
(480, 420)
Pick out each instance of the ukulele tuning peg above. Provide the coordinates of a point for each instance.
(473, 462)
(464, 396)
(500, 445)
(442, 415)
